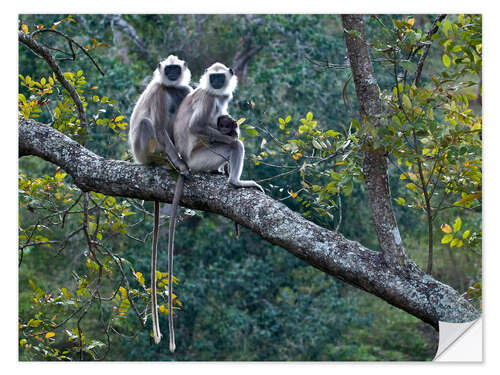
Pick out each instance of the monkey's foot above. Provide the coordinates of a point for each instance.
(246, 183)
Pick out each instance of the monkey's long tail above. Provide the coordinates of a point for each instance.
(171, 230)
(154, 305)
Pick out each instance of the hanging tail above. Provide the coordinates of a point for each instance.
(171, 230)
(154, 304)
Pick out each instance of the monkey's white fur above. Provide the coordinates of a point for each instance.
(183, 80)
(226, 90)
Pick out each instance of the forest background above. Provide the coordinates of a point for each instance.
(246, 299)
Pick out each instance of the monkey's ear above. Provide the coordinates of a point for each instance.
(159, 65)
(231, 71)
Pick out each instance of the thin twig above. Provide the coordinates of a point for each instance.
(427, 46)
(33, 45)
(71, 41)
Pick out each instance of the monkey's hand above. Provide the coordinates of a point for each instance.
(210, 133)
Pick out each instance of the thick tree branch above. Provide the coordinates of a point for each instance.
(118, 21)
(247, 48)
(413, 291)
(374, 160)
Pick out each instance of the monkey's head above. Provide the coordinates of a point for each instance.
(173, 72)
(219, 80)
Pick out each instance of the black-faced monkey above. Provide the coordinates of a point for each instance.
(151, 138)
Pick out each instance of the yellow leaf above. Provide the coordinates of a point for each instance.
(446, 228)
(294, 195)
(48, 335)
(24, 28)
(476, 126)
(447, 238)
(241, 121)
(411, 21)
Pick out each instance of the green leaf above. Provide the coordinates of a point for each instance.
(457, 225)
(466, 234)
(412, 187)
(406, 101)
(401, 201)
(409, 66)
(447, 238)
(32, 284)
(332, 133)
(446, 60)
(303, 128)
(446, 27)
(309, 116)
(251, 132)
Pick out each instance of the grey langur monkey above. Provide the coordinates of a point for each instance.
(151, 123)
(203, 146)
(151, 138)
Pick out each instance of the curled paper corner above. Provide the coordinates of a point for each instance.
(460, 342)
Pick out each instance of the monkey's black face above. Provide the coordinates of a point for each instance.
(172, 72)
(217, 80)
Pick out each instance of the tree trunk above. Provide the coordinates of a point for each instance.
(374, 160)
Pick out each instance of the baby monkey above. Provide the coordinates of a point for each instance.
(228, 126)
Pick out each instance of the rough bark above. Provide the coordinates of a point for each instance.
(247, 49)
(242, 58)
(119, 22)
(374, 160)
(412, 291)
